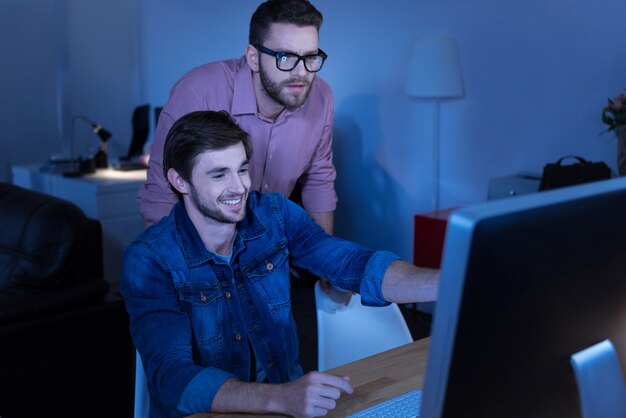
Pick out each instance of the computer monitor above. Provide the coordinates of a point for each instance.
(526, 282)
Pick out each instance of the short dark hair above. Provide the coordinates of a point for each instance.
(297, 12)
(197, 132)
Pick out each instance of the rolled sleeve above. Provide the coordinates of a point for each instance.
(319, 200)
(371, 285)
(318, 183)
(200, 392)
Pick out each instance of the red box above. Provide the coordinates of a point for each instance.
(428, 237)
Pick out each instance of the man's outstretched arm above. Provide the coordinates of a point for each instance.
(406, 283)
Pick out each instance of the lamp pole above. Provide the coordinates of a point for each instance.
(435, 74)
(435, 197)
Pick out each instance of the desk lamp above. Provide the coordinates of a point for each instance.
(435, 73)
(99, 160)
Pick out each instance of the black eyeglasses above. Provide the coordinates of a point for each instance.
(287, 61)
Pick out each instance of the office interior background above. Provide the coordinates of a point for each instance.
(536, 76)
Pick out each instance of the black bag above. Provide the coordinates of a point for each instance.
(556, 175)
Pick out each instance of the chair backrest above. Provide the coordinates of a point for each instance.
(358, 331)
(142, 398)
(141, 130)
(600, 381)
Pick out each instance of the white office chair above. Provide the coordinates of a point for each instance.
(142, 398)
(358, 331)
(600, 381)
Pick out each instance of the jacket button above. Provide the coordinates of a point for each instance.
(238, 337)
(270, 266)
(203, 298)
(228, 295)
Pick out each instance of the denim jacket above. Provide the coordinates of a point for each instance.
(193, 315)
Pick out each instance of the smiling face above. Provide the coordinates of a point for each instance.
(219, 186)
(288, 89)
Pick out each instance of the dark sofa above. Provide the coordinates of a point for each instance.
(65, 349)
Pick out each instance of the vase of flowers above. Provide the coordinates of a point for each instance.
(614, 115)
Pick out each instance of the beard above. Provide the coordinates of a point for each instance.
(275, 90)
(210, 209)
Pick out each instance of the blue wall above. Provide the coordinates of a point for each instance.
(536, 75)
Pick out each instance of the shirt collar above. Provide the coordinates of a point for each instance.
(244, 98)
(251, 226)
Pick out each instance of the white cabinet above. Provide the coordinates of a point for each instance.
(107, 195)
(514, 185)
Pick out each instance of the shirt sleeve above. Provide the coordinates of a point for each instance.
(200, 392)
(162, 333)
(155, 197)
(346, 264)
(318, 183)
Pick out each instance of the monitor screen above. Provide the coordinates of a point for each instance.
(526, 282)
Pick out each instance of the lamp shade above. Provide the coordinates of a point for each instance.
(435, 69)
(102, 133)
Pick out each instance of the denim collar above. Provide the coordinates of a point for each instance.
(193, 248)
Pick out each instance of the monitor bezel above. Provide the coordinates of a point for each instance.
(457, 247)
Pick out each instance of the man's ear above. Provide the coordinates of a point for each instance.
(177, 181)
(252, 56)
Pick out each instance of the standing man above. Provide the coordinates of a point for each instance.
(275, 96)
(207, 287)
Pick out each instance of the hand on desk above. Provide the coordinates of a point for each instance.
(312, 395)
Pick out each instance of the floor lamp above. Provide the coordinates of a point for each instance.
(435, 73)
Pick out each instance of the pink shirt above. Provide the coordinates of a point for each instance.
(296, 147)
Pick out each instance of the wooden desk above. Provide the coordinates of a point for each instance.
(374, 379)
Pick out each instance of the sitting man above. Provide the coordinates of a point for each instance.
(207, 287)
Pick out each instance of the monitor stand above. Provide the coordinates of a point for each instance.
(600, 381)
